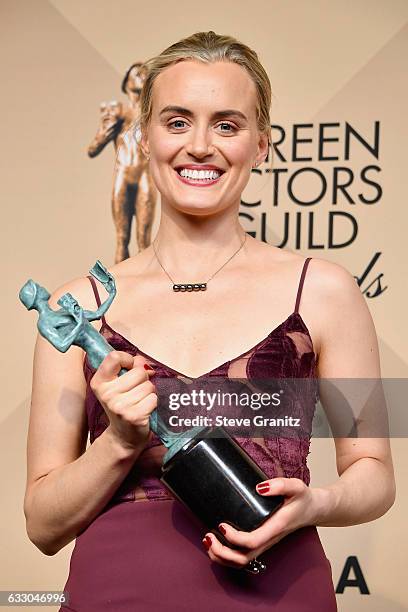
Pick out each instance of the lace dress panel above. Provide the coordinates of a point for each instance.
(287, 352)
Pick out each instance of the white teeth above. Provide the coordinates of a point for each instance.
(199, 174)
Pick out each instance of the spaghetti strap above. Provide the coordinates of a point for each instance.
(97, 298)
(302, 278)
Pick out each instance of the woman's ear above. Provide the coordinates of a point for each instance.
(263, 148)
(144, 144)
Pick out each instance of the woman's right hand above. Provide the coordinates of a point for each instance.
(128, 400)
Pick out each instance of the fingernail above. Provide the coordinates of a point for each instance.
(207, 542)
(148, 367)
(222, 529)
(262, 487)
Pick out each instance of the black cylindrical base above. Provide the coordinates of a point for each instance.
(214, 477)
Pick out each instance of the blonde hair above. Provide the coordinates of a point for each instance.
(210, 47)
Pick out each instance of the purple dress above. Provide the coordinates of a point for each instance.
(143, 552)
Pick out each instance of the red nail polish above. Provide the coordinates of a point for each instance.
(147, 366)
(207, 542)
(222, 529)
(262, 488)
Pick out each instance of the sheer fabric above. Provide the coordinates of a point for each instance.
(287, 352)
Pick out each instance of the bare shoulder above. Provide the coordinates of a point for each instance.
(335, 296)
(80, 288)
(333, 285)
(348, 343)
(331, 301)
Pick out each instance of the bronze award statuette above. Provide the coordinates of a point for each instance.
(204, 467)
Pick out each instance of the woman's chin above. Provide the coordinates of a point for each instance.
(197, 208)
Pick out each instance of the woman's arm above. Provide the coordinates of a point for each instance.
(349, 350)
(365, 489)
(349, 361)
(364, 492)
(66, 486)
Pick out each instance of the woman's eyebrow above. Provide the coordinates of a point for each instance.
(217, 115)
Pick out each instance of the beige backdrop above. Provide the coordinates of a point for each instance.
(331, 62)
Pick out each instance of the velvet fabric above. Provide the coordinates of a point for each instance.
(143, 551)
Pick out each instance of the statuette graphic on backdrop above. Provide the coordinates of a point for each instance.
(134, 193)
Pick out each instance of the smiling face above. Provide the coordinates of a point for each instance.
(203, 115)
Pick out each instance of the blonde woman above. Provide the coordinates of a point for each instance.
(258, 311)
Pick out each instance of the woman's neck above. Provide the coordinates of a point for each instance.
(197, 249)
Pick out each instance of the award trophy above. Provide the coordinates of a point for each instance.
(203, 467)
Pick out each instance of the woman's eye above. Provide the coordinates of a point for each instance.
(231, 127)
(172, 123)
(228, 125)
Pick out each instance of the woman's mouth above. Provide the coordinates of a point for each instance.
(199, 178)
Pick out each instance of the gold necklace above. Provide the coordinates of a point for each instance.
(195, 286)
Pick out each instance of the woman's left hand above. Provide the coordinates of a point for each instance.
(299, 509)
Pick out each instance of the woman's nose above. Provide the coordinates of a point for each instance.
(199, 143)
